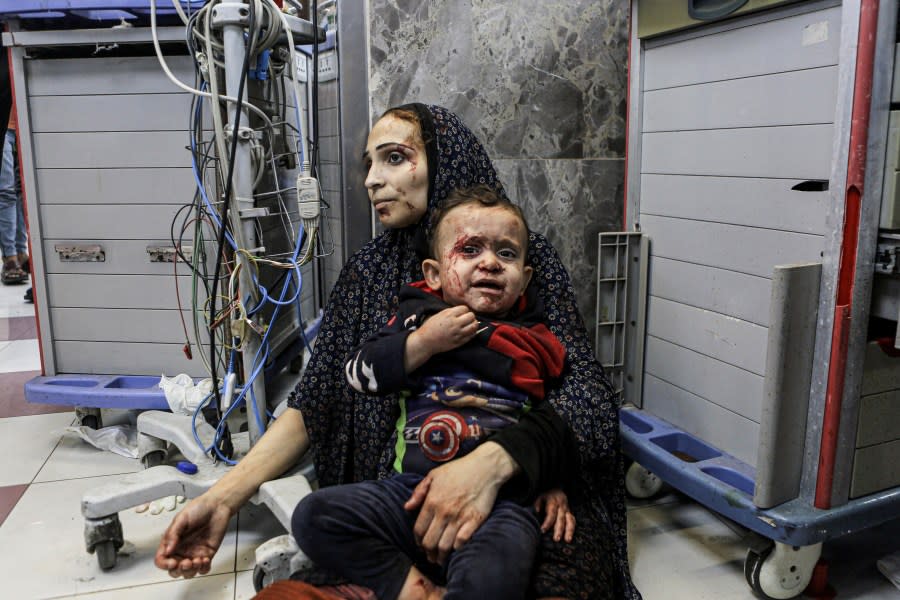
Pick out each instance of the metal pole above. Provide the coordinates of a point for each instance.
(232, 16)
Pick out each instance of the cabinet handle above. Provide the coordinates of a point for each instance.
(812, 185)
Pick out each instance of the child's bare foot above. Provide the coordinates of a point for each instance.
(419, 587)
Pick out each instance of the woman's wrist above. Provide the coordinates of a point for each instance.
(501, 464)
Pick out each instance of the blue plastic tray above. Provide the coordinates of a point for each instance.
(130, 391)
(99, 391)
(80, 11)
(725, 484)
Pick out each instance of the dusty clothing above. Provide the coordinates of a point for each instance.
(367, 521)
(459, 398)
(353, 435)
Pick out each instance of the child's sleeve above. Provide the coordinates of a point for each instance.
(543, 447)
(376, 365)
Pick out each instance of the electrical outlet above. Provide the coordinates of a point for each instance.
(328, 66)
(302, 62)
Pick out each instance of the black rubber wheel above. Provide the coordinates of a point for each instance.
(92, 421)
(752, 566)
(751, 563)
(106, 554)
(153, 459)
(259, 577)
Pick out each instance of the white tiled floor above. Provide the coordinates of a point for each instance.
(678, 549)
(19, 355)
(11, 304)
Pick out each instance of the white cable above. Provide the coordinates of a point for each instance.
(176, 81)
(295, 84)
(180, 11)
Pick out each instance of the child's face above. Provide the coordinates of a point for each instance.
(481, 261)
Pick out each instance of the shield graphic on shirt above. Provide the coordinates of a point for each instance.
(440, 435)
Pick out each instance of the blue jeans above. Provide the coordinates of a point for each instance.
(12, 220)
(361, 531)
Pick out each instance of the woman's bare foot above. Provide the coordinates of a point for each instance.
(419, 587)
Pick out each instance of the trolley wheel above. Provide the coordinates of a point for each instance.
(153, 459)
(106, 554)
(780, 571)
(641, 483)
(89, 416)
(752, 565)
(259, 578)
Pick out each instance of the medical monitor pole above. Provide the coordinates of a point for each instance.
(233, 18)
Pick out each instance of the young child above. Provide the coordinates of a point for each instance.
(470, 354)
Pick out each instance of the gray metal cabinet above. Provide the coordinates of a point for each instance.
(105, 165)
(737, 164)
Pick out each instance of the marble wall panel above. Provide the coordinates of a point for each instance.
(543, 84)
(535, 79)
(570, 202)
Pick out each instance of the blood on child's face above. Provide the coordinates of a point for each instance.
(482, 258)
(397, 178)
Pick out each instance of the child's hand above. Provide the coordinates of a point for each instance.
(449, 329)
(558, 516)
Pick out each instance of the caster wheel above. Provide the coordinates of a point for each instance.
(153, 459)
(641, 483)
(259, 578)
(752, 565)
(780, 571)
(106, 554)
(92, 421)
(88, 416)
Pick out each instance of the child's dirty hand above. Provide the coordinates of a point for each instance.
(555, 505)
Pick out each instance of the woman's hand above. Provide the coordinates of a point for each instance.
(457, 497)
(555, 504)
(193, 537)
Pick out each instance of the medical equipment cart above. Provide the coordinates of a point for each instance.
(109, 149)
(103, 143)
(748, 312)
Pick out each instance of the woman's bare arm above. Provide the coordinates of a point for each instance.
(195, 534)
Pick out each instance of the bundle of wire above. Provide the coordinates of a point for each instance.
(226, 330)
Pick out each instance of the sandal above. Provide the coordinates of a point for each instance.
(12, 273)
(24, 262)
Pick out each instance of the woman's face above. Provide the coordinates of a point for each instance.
(397, 177)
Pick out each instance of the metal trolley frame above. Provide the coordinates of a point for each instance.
(785, 466)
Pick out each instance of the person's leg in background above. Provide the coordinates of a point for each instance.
(13, 240)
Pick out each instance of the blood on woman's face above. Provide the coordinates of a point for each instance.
(397, 179)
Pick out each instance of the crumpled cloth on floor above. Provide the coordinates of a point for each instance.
(119, 439)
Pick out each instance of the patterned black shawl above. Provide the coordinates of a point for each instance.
(352, 434)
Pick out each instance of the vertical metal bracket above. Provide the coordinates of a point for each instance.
(622, 259)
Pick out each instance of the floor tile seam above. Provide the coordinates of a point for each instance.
(46, 460)
(79, 477)
(130, 587)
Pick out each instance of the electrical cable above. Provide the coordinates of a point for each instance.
(262, 33)
(229, 190)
